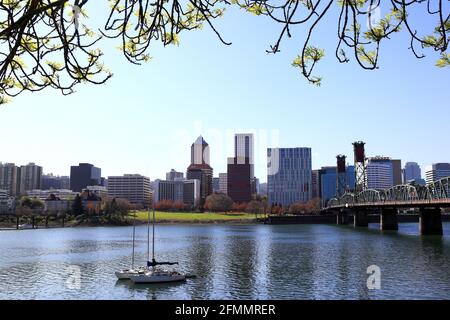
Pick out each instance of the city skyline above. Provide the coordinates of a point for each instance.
(167, 103)
(262, 178)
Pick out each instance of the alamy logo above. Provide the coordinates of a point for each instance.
(374, 280)
(73, 281)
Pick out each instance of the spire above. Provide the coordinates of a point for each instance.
(200, 141)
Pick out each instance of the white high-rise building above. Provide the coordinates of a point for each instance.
(437, 171)
(379, 173)
(244, 146)
(133, 187)
(200, 152)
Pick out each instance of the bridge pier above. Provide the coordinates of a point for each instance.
(360, 219)
(430, 221)
(342, 217)
(388, 219)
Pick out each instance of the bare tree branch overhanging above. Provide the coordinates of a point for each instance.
(46, 43)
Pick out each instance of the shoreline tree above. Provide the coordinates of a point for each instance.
(49, 43)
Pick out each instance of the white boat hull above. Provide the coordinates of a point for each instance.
(157, 279)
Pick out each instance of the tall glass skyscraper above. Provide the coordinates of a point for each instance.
(328, 182)
(289, 175)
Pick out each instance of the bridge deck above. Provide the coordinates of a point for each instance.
(441, 203)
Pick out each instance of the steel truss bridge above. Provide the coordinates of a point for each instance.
(429, 199)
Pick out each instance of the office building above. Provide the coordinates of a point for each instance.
(133, 187)
(49, 181)
(7, 203)
(328, 182)
(315, 184)
(244, 152)
(397, 172)
(262, 189)
(10, 178)
(44, 194)
(99, 191)
(412, 172)
(84, 175)
(174, 175)
(289, 175)
(200, 168)
(239, 180)
(185, 191)
(216, 184)
(223, 183)
(379, 173)
(30, 177)
(437, 171)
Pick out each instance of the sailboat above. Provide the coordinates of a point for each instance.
(127, 273)
(154, 273)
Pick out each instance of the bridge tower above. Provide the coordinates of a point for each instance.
(341, 176)
(360, 168)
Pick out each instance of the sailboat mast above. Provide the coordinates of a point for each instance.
(134, 237)
(153, 240)
(148, 235)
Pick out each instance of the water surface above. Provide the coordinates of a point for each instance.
(231, 262)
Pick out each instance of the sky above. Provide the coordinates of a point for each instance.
(145, 118)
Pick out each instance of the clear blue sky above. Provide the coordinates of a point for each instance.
(146, 117)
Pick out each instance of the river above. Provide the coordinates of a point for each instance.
(230, 262)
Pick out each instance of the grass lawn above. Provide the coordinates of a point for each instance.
(192, 217)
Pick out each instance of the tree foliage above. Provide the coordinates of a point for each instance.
(218, 202)
(49, 43)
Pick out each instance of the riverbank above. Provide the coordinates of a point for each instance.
(9, 223)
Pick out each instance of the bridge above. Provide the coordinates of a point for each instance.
(429, 200)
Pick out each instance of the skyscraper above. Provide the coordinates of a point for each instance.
(289, 175)
(397, 172)
(10, 178)
(328, 177)
(437, 171)
(174, 175)
(244, 150)
(379, 173)
(200, 168)
(241, 182)
(30, 177)
(84, 175)
(412, 172)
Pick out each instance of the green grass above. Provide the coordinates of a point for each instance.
(191, 217)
